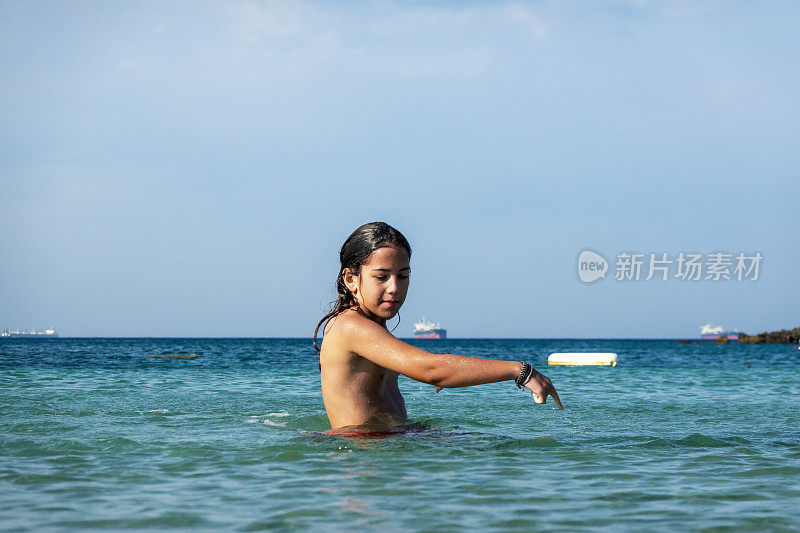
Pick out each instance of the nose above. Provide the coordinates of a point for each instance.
(391, 287)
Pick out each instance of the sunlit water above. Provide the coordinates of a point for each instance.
(96, 434)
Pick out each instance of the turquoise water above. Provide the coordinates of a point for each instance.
(95, 434)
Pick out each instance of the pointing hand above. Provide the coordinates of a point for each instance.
(540, 387)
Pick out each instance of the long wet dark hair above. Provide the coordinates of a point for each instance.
(355, 251)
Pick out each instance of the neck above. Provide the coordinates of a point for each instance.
(366, 314)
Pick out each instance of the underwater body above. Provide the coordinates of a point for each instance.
(230, 433)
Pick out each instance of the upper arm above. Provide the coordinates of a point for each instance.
(371, 341)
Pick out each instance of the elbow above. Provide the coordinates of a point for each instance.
(436, 375)
(437, 380)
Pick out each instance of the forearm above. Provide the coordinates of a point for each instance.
(449, 370)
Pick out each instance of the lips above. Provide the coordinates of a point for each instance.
(391, 302)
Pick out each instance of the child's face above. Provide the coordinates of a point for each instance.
(382, 284)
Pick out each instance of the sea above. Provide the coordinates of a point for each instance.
(230, 434)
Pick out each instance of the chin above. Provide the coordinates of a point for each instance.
(389, 313)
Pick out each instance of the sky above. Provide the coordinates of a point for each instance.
(191, 169)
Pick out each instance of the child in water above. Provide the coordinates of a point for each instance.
(360, 359)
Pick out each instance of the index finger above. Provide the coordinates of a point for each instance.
(554, 395)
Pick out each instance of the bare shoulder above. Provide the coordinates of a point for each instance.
(349, 324)
(353, 337)
(341, 343)
(339, 330)
(353, 334)
(337, 325)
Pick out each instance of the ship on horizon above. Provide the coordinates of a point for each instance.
(29, 333)
(710, 332)
(428, 330)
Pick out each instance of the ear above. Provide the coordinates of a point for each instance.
(350, 280)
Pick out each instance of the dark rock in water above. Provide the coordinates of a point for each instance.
(784, 336)
(684, 342)
(722, 339)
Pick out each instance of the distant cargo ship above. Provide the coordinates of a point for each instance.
(710, 332)
(428, 330)
(29, 333)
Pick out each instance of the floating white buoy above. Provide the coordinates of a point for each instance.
(582, 359)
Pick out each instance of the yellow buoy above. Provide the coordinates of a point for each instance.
(582, 359)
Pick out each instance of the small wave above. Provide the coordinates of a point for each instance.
(118, 444)
(770, 471)
(267, 419)
(695, 440)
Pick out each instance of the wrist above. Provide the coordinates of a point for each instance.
(525, 374)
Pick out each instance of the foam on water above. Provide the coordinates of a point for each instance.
(269, 419)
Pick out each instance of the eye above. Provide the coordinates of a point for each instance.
(382, 278)
(403, 276)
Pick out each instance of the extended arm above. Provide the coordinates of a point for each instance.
(373, 342)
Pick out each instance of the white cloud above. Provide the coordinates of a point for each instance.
(389, 18)
(523, 16)
(255, 22)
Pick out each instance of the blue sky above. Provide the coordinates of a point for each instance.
(191, 169)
